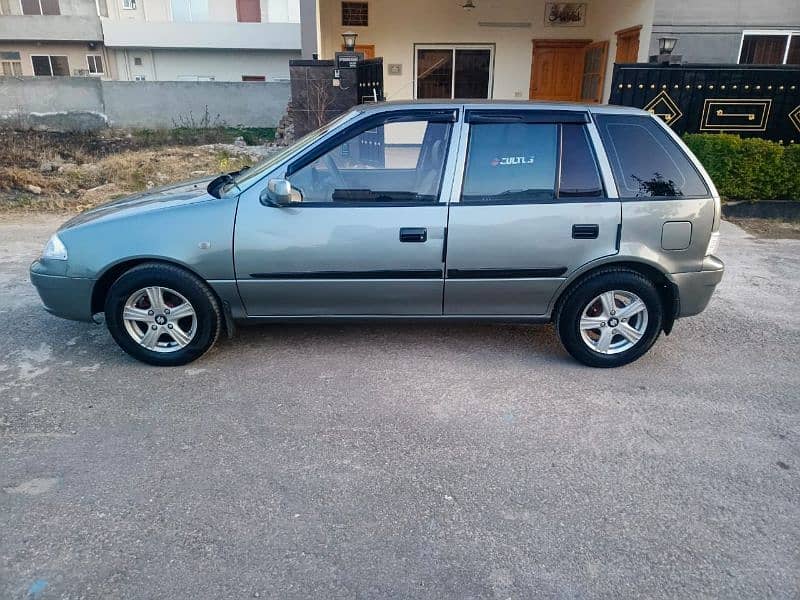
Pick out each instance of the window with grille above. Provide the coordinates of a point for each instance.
(594, 71)
(770, 48)
(50, 66)
(95, 62)
(355, 14)
(129, 4)
(10, 64)
(454, 72)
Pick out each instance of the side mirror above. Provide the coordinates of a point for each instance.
(279, 193)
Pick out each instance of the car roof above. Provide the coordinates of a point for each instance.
(500, 104)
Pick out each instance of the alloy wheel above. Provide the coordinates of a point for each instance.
(159, 319)
(613, 322)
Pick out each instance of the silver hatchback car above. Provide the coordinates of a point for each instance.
(596, 218)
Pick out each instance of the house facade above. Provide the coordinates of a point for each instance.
(51, 38)
(535, 49)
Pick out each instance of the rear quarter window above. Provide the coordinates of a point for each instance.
(646, 161)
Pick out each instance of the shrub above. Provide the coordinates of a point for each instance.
(791, 157)
(748, 168)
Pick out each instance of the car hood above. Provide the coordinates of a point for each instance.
(154, 199)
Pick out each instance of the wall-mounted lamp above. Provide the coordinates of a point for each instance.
(666, 45)
(349, 38)
(468, 5)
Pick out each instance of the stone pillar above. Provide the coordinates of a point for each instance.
(315, 99)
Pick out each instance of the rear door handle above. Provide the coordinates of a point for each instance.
(413, 234)
(585, 232)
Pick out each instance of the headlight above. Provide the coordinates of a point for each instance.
(55, 249)
(713, 244)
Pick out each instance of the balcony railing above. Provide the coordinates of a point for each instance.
(233, 35)
(63, 28)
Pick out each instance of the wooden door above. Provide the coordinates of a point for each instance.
(627, 45)
(367, 49)
(556, 69)
(595, 57)
(248, 11)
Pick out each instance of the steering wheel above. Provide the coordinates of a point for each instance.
(336, 174)
(325, 181)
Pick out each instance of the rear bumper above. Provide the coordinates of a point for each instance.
(66, 297)
(696, 288)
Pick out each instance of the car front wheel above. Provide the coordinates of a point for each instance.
(610, 319)
(162, 314)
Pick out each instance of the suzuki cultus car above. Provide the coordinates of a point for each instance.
(596, 218)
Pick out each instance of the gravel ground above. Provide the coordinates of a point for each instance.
(404, 461)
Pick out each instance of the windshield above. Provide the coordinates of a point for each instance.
(248, 176)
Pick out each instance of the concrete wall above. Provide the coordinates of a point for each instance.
(163, 103)
(395, 27)
(711, 31)
(58, 103)
(63, 104)
(221, 65)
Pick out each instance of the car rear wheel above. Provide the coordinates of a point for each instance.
(162, 314)
(610, 319)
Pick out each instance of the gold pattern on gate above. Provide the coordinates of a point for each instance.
(735, 114)
(794, 117)
(663, 106)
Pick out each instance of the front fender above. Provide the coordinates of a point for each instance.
(197, 235)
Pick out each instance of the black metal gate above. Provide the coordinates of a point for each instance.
(749, 100)
(369, 77)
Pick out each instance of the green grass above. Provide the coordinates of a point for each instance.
(189, 136)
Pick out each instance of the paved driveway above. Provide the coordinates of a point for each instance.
(404, 461)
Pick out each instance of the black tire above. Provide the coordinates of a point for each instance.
(570, 309)
(206, 308)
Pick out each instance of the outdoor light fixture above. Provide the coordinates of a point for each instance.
(666, 45)
(468, 5)
(349, 38)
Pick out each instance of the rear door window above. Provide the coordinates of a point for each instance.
(646, 162)
(511, 163)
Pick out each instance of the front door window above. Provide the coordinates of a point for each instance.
(391, 162)
(454, 72)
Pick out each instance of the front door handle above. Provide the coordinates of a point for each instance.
(413, 234)
(585, 232)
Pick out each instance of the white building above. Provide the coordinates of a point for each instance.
(202, 40)
(153, 40)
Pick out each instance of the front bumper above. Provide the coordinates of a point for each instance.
(66, 297)
(696, 288)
